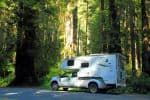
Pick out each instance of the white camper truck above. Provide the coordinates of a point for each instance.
(95, 71)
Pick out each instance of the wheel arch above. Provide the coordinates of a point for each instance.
(53, 82)
(91, 82)
(100, 83)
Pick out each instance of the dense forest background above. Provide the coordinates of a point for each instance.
(35, 35)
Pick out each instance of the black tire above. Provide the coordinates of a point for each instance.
(65, 89)
(54, 86)
(93, 88)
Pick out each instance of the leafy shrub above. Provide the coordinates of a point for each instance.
(4, 82)
(140, 84)
(122, 90)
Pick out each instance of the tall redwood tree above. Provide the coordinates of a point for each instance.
(26, 48)
(145, 36)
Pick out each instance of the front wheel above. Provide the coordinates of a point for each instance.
(54, 86)
(93, 88)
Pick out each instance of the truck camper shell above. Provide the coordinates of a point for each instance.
(104, 70)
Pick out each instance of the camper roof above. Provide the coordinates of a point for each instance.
(101, 54)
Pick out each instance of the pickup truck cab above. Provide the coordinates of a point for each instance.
(70, 80)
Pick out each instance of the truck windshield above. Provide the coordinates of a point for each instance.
(70, 62)
(66, 74)
(69, 74)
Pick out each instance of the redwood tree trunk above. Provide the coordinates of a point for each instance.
(86, 27)
(103, 42)
(145, 37)
(115, 42)
(26, 48)
(75, 25)
(132, 35)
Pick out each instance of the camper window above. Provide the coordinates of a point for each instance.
(83, 65)
(70, 62)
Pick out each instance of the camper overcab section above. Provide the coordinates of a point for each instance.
(95, 71)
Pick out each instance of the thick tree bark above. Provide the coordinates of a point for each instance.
(138, 51)
(132, 35)
(103, 42)
(75, 25)
(26, 48)
(86, 27)
(115, 42)
(145, 36)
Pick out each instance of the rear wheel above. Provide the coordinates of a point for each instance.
(65, 89)
(54, 86)
(93, 88)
